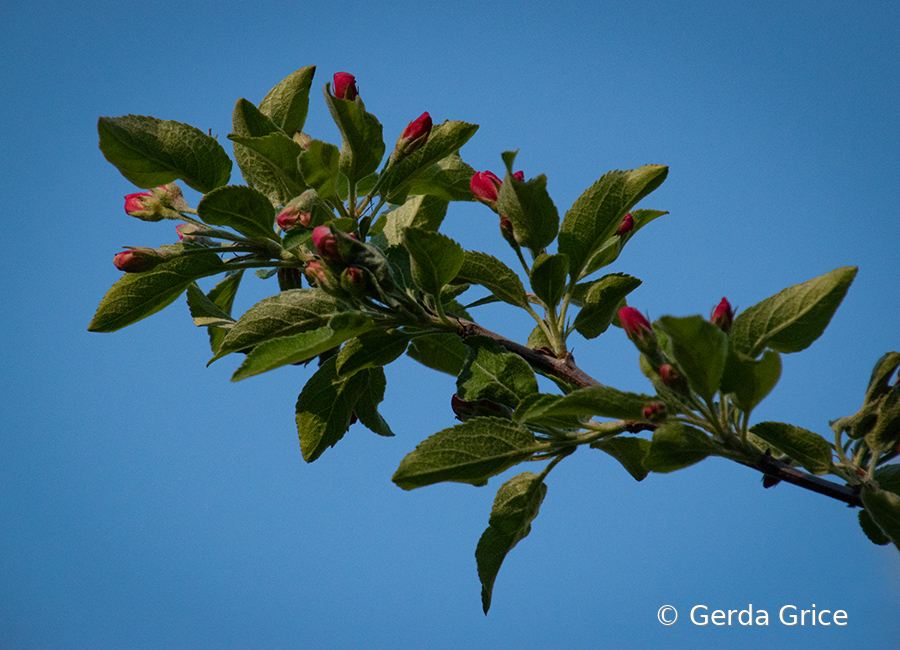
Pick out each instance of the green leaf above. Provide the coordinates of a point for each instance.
(886, 430)
(240, 207)
(319, 167)
(597, 213)
(593, 401)
(602, 302)
(809, 449)
(423, 212)
(749, 381)
(138, 295)
(676, 446)
(284, 314)
(517, 503)
(368, 397)
(698, 349)
(871, 529)
(528, 206)
(288, 102)
(610, 249)
(222, 296)
(445, 139)
(326, 405)
(436, 259)
(495, 374)
(450, 179)
(370, 350)
(277, 177)
(628, 451)
(548, 278)
(441, 352)
(362, 145)
(470, 452)
(884, 509)
(150, 152)
(495, 276)
(296, 348)
(792, 319)
(879, 382)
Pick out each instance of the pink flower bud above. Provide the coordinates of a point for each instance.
(655, 412)
(145, 206)
(638, 329)
(519, 176)
(317, 274)
(291, 217)
(723, 316)
(185, 234)
(325, 243)
(171, 197)
(345, 86)
(137, 259)
(414, 136)
(485, 186)
(673, 379)
(626, 226)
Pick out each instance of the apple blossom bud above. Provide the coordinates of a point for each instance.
(485, 186)
(353, 281)
(638, 329)
(723, 316)
(673, 379)
(185, 234)
(145, 206)
(325, 243)
(345, 86)
(626, 226)
(414, 136)
(171, 196)
(655, 412)
(137, 259)
(519, 176)
(319, 275)
(303, 139)
(291, 217)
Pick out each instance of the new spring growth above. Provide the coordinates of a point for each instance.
(655, 412)
(673, 379)
(414, 136)
(291, 217)
(325, 243)
(163, 202)
(638, 329)
(723, 316)
(345, 86)
(626, 226)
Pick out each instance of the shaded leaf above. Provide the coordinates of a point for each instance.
(151, 152)
(603, 401)
(601, 302)
(240, 207)
(748, 380)
(549, 276)
(517, 503)
(288, 102)
(493, 373)
(424, 212)
(362, 144)
(319, 167)
(628, 451)
(372, 349)
(809, 449)
(470, 452)
(698, 349)
(435, 258)
(884, 509)
(494, 275)
(528, 206)
(441, 352)
(676, 446)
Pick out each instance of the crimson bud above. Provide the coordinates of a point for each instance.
(655, 412)
(345, 86)
(291, 216)
(723, 316)
(137, 259)
(326, 243)
(626, 226)
(638, 329)
(414, 136)
(485, 186)
(144, 205)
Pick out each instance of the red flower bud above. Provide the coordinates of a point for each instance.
(144, 206)
(723, 316)
(638, 329)
(672, 378)
(325, 243)
(485, 186)
(137, 259)
(655, 412)
(519, 176)
(291, 216)
(317, 274)
(345, 86)
(626, 226)
(414, 136)
(506, 224)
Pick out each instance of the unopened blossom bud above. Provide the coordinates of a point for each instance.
(326, 243)
(723, 316)
(292, 217)
(353, 281)
(345, 86)
(638, 329)
(145, 206)
(655, 412)
(672, 378)
(414, 136)
(185, 234)
(303, 139)
(486, 187)
(626, 226)
(171, 196)
(318, 275)
(137, 259)
(506, 224)
(519, 176)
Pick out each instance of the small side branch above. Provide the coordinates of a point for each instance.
(784, 472)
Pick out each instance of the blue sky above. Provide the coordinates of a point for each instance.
(147, 502)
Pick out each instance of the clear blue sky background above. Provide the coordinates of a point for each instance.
(147, 502)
